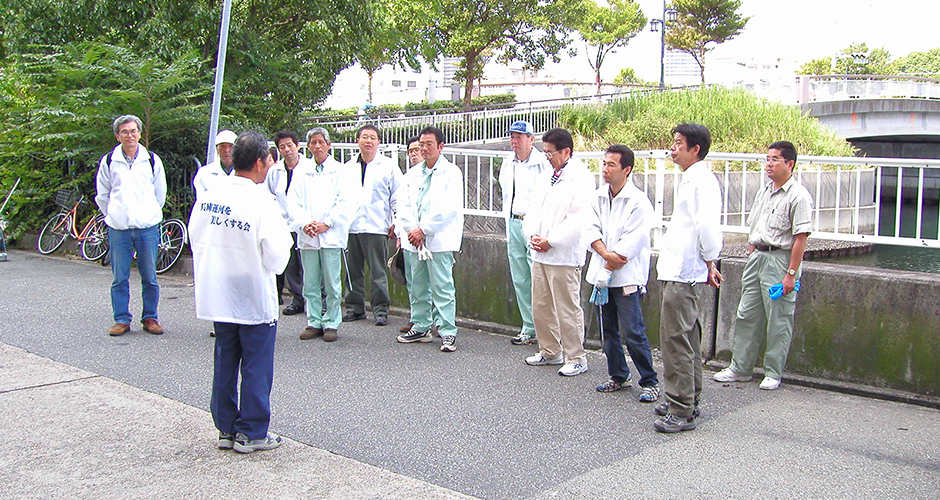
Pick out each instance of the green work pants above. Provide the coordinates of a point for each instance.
(432, 290)
(680, 340)
(324, 264)
(520, 268)
(760, 318)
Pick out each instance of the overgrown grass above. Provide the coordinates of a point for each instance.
(739, 122)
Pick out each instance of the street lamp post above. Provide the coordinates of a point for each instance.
(669, 15)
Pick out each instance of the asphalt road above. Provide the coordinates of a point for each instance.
(479, 421)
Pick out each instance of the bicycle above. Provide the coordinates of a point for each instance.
(173, 237)
(93, 237)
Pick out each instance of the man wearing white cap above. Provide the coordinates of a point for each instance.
(223, 164)
(517, 176)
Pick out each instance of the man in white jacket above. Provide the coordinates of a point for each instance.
(430, 227)
(620, 263)
(278, 181)
(220, 167)
(131, 191)
(240, 241)
(322, 201)
(553, 225)
(687, 257)
(517, 175)
(370, 231)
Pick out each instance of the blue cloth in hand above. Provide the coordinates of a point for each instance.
(599, 296)
(776, 291)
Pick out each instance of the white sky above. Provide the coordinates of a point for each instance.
(798, 30)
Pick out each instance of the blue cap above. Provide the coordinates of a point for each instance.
(522, 127)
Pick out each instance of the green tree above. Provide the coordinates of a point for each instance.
(627, 76)
(525, 30)
(821, 66)
(920, 63)
(703, 22)
(386, 43)
(606, 27)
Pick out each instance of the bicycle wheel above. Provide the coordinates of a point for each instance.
(172, 239)
(53, 233)
(95, 244)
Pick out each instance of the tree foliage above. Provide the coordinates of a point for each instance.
(919, 64)
(700, 23)
(855, 59)
(606, 27)
(524, 30)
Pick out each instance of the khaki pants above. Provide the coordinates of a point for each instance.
(680, 338)
(557, 313)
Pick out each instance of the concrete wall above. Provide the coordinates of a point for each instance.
(871, 326)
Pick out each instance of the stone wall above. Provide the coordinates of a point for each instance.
(870, 326)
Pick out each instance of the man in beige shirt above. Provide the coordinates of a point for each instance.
(781, 220)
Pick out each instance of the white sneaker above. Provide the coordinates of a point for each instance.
(728, 375)
(769, 383)
(572, 369)
(539, 360)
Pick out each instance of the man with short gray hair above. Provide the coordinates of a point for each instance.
(322, 201)
(131, 186)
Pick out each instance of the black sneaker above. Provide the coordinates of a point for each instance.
(244, 445)
(292, 309)
(226, 441)
(381, 320)
(351, 316)
(671, 424)
(448, 343)
(415, 336)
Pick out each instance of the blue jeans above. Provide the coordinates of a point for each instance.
(622, 315)
(251, 348)
(123, 244)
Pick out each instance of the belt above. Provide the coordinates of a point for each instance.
(766, 248)
(519, 217)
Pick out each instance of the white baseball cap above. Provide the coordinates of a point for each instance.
(225, 137)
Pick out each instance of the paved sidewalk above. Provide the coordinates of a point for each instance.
(85, 415)
(69, 433)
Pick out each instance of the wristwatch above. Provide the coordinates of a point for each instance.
(791, 272)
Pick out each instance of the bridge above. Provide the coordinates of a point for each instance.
(883, 116)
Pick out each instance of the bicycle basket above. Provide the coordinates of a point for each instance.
(66, 198)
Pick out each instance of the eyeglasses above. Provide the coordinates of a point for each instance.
(414, 150)
(129, 132)
(774, 159)
(549, 154)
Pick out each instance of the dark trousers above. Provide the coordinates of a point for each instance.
(367, 250)
(293, 276)
(622, 320)
(250, 347)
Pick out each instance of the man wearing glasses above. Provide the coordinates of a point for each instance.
(780, 220)
(559, 209)
(517, 176)
(131, 192)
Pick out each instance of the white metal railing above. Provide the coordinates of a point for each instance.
(843, 87)
(854, 199)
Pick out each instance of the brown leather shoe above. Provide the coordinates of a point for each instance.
(329, 335)
(310, 333)
(119, 329)
(151, 325)
(406, 328)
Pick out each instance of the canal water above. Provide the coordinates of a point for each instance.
(922, 259)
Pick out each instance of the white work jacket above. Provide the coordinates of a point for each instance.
(443, 223)
(207, 174)
(693, 234)
(276, 182)
(623, 223)
(131, 196)
(239, 242)
(559, 213)
(330, 197)
(379, 200)
(517, 180)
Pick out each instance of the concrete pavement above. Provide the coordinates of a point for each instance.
(87, 415)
